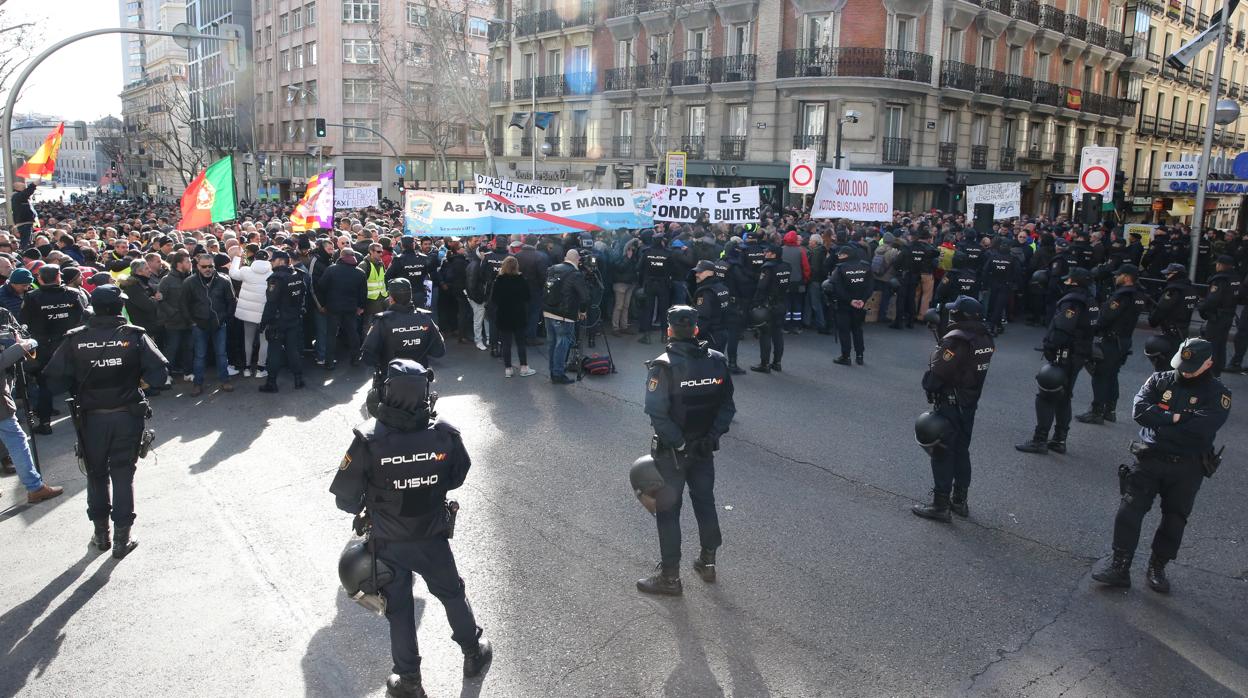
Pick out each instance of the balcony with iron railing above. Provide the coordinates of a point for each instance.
(1002, 6)
(553, 142)
(522, 88)
(1077, 27)
(1189, 16)
(622, 146)
(732, 68)
(854, 62)
(617, 79)
(654, 5)
(957, 75)
(581, 83)
(1115, 42)
(1035, 154)
(1020, 88)
(1047, 93)
(498, 92)
(1027, 10)
(1059, 161)
(732, 148)
(497, 32)
(691, 72)
(578, 146)
(1148, 125)
(1052, 18)
(990, 82)
(1096, 34)
(694, 147)
(555, 19)
(896, 151)
(1202, 22)
(1241, 39)
(550, 86)
(817, 143)
(1140, 186)
(622, 8)
(947, 154)
(979, 157)
(1007, 159)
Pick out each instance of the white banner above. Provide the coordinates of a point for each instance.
(434, 213)
(719, 205)
(513, 189)
(1006, 199)
(857, 196)
(355, 197)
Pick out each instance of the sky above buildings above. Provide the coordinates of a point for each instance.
(82, 80)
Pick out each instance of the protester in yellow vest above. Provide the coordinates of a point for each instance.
(375, 270)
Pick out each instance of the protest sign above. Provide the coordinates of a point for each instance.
(513, 189)
(718, 204)
(435, 213)
(857, 196)
(355, 197)
(1005, 197)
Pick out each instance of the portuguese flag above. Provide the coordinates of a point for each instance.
(210, 198)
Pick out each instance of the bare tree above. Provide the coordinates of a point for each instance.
(16, 38)
(162, 134)
(659, 77)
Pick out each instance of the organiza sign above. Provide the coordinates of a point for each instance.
(1180, 186)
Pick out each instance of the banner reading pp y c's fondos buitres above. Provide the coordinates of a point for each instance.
(438, 214)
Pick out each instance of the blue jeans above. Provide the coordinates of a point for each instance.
(19, 452)
(322, 334)
(560, 335)
(177, 342)
(202, 337)
(535, 317)
(814, 298)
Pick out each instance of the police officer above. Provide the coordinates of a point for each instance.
(1114, 327)
(1059, 267)
(953, 382)
(773, 286)
(689, 400)
(403, 331)
(1172, 314)
(731, 272)
(849, 286)
(107, 364)
(1218, 308)
(413, 265)
(960, 281)
(1068, 346)
(655, 277)
(711, 299)
(1000, 272)
(394, 478)
(49, 312)
(916, 261)
(286, 301)
(491, 264)
(1179, 413)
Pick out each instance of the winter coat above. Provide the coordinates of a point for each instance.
(795, 256)
(533, 266)
(170, 310)
(511, 300)
(140, 304)
(209, 304)
(254, 290)
(342, 288)
(10, 300)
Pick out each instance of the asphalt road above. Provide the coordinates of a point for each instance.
(828, 585)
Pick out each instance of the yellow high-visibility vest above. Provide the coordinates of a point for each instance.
(376, 282)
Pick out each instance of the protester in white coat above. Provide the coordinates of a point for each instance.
(250, 308)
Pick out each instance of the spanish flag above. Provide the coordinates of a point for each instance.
(316, 208)
(43, 162)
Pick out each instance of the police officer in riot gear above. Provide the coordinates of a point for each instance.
(1067, 345)
(773, 287)
(491, 264)
(286, 301)
(1218, 308)
(731, 272)
(1172, 314)
(402, 331)
(413, 265)
(962, 280)
(711, 300)
(107, 364)
(1179, 413)
(655, 274)
(49, 311)
(1112, 343)
(1000, 272)
(394, 478)
(953, 382)
(689, 400)
(849, 286)
(918, 259)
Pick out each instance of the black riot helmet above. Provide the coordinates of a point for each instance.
(758, 316)
(363, 575)
(931, 429)
(1157, 345)
(402, 397)
(400, 291)
(1040, 279)
(965, 308)
(961, 259)
(682, 322)
(649, 486)
(108, 300)
(1078, 276)
(1051, 378)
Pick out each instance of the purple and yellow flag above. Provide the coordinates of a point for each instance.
(316, 208)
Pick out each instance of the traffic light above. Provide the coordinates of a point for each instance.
(1120, 189)
(951, 178)
(320, 128)
(959, 190)
(1091, 209)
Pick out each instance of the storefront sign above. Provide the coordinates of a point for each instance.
(718, 205)
(1005, 197)
(855, 195)
(676, 165)
(1178, 170)
(1233, 188)
(434, 214)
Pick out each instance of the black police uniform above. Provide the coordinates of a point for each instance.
(753, 257)
(1114, 327)
(689, 400)
(102, 364)
(491, 264)
(953, 382)
(399, 468)
(917, 259)
(1000, 272)
(1218, 310)
(656, 280)
(712, 300)
(851, 281)
(772, 291)
(731, 272)
(286, 298)
(402, 332)
(1068, 345)
(1169, 461)
(49, 312)
(1059, 267)
(414, 266)
(1172, 315)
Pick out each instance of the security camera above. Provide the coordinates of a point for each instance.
(852, 116)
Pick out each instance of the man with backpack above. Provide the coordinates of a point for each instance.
(566, 300)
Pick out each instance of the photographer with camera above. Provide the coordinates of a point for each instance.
(107, 364)
(18, 348)
(566, 301)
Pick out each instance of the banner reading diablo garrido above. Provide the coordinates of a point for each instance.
(510, 188)
(436, 214)
(855, 195)
(720, 204)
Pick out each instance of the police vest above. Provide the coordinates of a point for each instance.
(407, 333)
(698, 388)
(972, 368)
(408, 479)
(1122, 311)
(376, 281)
(656, 270)
(854, 279)
(998, 270)
(107, 365)
(291, 289)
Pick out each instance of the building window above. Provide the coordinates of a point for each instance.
(658, 126)
(979, 130)
(904, 29)
(362, 51)
(355, 134)
(984, 60)
(697, 121)
(288, 128)
(309, 92)
(296, 18)
(817, 31)
(1015, 60)
(361, 10)
(297, 55)
(416, 54)
(624, 124)
(283, 25)
(894, 121)
(309, 14)
(740, 40)
(624, 53)
(1007, 133)
(478, 27)
(417, 14)
(284, 61)
(953, 44)
(359, 91)
(414, 132)
(814, 116)
(948, 126)
(660, 45)
(738, 120)
(309, 54)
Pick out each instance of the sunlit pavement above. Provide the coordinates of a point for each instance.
(828, 585)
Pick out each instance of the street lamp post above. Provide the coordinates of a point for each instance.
(849, 117)
(1227, 116)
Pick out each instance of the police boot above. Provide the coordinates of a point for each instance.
(775, 366)
(1116, 572)
(99, 539)
(938, 510)
(299, 382)
(1057, 444)
(1093, 415)
(958, 503)
(705, 566)
(404, 686)
(270, 386)
(1156, 575)
(841, 360)
(761, 368)
(644, 338)
(122, 543)
(1037, 443)
(475, 661)
(736, 370)
(663, 582)
(1109, 412)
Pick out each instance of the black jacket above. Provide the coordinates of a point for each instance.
(23, 212)
(959, 366)
(208, 304)
(140, 302)
(567, 293)
(1203, 404)
(343, 288)
(286, 298)
(511, 298)
(689, 393)
(402, 332)
(104, 361)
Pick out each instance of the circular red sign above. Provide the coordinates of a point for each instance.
(797, 179)
(1103, 177)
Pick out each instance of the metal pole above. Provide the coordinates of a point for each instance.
(1202, 175)
(839, 125)
(533, 122)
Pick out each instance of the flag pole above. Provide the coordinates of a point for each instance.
(1202, 174)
